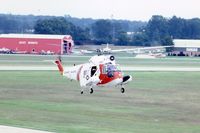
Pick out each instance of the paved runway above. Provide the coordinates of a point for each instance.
(124, 68)
(8, 129)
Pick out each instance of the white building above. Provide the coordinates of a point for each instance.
(186, 47)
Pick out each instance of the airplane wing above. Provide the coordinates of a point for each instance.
(108, 50)
(138, 50)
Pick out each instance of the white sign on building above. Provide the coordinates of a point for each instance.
(192, 49)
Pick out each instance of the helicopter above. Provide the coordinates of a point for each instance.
(100, 71)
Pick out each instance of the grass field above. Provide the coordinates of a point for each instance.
(155, 102)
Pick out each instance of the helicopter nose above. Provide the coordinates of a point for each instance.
(127, 79)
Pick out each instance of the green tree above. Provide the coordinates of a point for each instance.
(193, 28)
(140, 40)
(157, 27)
(157, 30)
(167, 41)
(176, 26)
(102, 31)
(122, 39)
(8, 25)
(54, 26)
(184, 28)
(61, 26)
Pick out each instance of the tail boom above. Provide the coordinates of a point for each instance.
(60, 67)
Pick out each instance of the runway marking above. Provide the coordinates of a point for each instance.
(8, 129)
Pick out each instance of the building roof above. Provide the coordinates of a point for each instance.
(41, 36)
(186, 43)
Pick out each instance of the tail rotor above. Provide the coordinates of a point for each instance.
(59, 58)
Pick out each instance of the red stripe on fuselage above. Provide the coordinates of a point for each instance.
(78, 73)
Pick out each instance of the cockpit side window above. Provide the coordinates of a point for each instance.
(104, 69)
(93, 70)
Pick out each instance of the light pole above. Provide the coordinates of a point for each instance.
(113, 29)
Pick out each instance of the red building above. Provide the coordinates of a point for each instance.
(37, 44)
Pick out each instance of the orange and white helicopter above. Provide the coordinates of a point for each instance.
(101, 70)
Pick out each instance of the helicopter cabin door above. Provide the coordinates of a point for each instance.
(87, 73)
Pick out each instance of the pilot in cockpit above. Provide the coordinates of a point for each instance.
(110, 69)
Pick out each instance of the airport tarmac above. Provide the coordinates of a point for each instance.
(123, 68)
(8, 129)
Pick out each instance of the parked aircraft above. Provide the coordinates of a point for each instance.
(150, 51)
(5, 50)
(99, 71)
(150, 55)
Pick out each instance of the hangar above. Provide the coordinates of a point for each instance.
(186, 47)
(37, 43)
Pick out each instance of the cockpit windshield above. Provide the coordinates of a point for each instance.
(110, 68)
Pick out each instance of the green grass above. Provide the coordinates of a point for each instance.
(155, 102)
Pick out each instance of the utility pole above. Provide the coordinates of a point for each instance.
(113, 29)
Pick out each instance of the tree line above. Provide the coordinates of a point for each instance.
(157, 31)
(161, 30)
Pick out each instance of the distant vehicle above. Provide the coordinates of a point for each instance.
(86, 51)
(5, 50)
(48, 52)
(150, 55)
(99, 71)
(20, 52)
